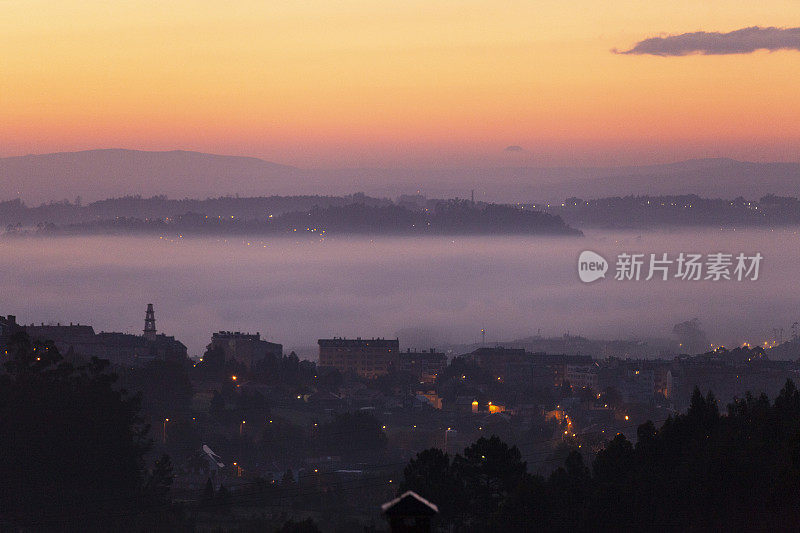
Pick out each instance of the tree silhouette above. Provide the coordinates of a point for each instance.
(208, 493)
(73, 445)
(431, 475)
(698, 471)
(337, 437)
(305, 526)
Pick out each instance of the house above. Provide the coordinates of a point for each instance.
(409, 513)
(425, 366)
(244, 348)
(368, 358)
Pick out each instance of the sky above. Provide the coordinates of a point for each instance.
(368, 83)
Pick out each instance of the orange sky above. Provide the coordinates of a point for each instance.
(370, 82)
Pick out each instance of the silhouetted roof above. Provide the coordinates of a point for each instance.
(341, 342)
(409, 504)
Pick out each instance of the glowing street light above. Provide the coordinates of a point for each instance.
(445, 437)
(164, 431)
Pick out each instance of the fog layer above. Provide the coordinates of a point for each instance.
(295, 292)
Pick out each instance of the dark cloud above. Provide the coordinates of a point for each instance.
(744, 41)
(514, 148)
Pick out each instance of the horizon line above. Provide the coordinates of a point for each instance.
(292, 167)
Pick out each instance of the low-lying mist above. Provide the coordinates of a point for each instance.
(444, 290)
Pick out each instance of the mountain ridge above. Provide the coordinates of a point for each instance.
(112, 172)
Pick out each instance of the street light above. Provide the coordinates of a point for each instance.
(241, 427)
(164, 431)
(445, 438)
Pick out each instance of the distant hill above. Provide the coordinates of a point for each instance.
(97, 174)
(711, 178)
(350, 212)
(451, 217)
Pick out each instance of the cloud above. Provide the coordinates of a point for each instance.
(514, 148)
(744, 41)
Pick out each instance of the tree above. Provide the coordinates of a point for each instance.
(469, 489)
(281, 441)
(164, 386)
(159, 481)
(73, 445)
(223, 496)
(305, 526)
(338, 436)
(618, 452)
(431, 475)
(698, 471)
(287, 481)
(490, 470)
(330, 379)
(213, 365)
(208, 493)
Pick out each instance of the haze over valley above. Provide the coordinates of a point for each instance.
(297, 290)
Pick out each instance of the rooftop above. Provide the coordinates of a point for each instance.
(237, 335)
(358, 341)
(409, 504)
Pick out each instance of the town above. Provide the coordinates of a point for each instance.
(399, 267)
(249, 423)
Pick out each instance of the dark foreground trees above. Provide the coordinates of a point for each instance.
(700, 471)
(73, 448)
